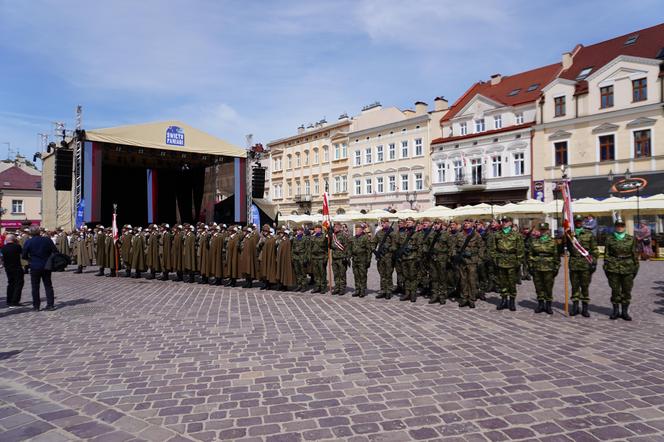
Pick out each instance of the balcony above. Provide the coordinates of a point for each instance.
(465, 184)
(302, 198)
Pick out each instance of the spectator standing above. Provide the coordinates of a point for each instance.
(591, 224)
(11, 252)
(36, 250)
(644, 241)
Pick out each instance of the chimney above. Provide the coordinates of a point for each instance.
(421, 108)
(440, 104)
(567, 60)
(300, 129)
(495, 79)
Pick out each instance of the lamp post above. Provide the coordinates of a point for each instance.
(411, 197)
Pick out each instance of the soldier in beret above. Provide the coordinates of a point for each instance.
(621, 265)
(543, 263)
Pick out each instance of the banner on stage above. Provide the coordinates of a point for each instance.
(175, 136)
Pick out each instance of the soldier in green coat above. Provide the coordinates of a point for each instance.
(361, 248)
(507, 252)
(580, 270)
(384, 245)
(469, 252)
(100, 249)
(165, 250)
(340, 258)
(406, 258)
(543, 263)
(621, 264)
(125, 248)
(318, 254)
(438, 250)
(138, 253)
(152, 258)
(300, 252)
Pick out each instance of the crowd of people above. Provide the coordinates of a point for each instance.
(435, 259)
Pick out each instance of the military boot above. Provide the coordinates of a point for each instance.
(137, 274)
(204, 280)
(575, 309)
(265, 285)
(164, 276)
(548, 309)
(503, 303)
(625, 312)
(192, 278)
(471, 304)
(127, 272)
(616, 312)
(356, 294)
(481, 296)
(112, 274)
(232, 282)
(100, 272)
(540, 306)
(179, 276)
(512, 303)
(248, 282)
(413, 297)
(363, 293)
(381, 295)
(79, 269)
(151, 275)
(404, 297)
(218, 281)
(584, 310)
(463, 303)
(435, 297)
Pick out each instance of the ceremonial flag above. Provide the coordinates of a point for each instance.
(114, 227)
(327, 221)
(568, 222)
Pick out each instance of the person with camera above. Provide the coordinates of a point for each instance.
(36, 251)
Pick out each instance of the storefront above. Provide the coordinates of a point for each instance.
(472, 197)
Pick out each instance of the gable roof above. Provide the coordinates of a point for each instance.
(153, 136)
(502, 92)
(648, 43)
(17, 179)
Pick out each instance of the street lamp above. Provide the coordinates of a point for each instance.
(411, 197)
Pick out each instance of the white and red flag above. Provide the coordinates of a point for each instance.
(114, 227)
(327, 221)
(568, 221)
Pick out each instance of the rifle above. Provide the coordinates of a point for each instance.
(379, 252)
(433, 243)
(403, 247)
(458, 257)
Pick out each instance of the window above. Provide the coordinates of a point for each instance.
(392, 183)
(306, 157)
(315, 156)
(367, 155)
(297, 160)
(631, 39)
(533, 87)
(368, 186)
(519, 163)
(404, 182)
(497, 121)
(560, 153)
(476, 170)
(344, 184)
(479, 125)
(458, 170)
(298, 188)
(289, 162)
(497, 166)
(404, 149)
(326, 155)
(358, 187)
(418, 147)
(606, 96)
(642, 143)
(307, 187)
(519, 118)
(337, 184)
(584, 73)
(463, 129)
(316, 186)
(358, 157)
(419, 181)
(640, 89)
(290, 190)
(393, 151)
(337, 151)
(514, 92)
(344, 150)
(379, 185)
(607, 148)
(17, 206)
(559, 105)
(440, 169)
(379, 154)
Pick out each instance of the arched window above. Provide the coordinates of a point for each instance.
(294, 212)
(340, 211)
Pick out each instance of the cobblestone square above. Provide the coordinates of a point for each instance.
(124, 359)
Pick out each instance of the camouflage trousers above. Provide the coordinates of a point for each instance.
(300, 272)
(339, 272)
(360, 268)
(483, 276)
(468, 282)
(544, 284)
(319, 270)
(506, 278)
(621, 287)
(410, 272)
(385, 270)
(398, 266)
(438, 279)
(580, 281)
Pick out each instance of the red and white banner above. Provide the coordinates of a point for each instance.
(568, 221)
(114, 228)
(327, 221)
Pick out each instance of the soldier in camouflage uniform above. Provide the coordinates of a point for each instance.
(543, 263)
(398, 267)
(340, 258)
(453, 283)
(507, 253)
(438, 250)
(360, 250)
(580, 270)
(406, 257)
(621, 264)
(525, 271)
(469, 251)
(301, 258)
(423, 233)
(384, 245)
(494, 226)
(318, 253)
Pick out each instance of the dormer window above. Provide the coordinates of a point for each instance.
(533, 87)
(631, 39)
(514, 92)
(584, 73)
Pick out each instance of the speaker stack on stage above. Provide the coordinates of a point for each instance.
(257, 182)
(64, 162)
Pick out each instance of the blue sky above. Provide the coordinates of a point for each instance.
(264, 67)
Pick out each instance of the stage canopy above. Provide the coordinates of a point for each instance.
(166, 135)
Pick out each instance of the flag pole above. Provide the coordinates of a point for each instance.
(329, 264)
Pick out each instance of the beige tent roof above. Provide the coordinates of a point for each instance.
(153, 136)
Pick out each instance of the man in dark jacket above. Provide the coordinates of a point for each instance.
(11, 254)
(36, 250)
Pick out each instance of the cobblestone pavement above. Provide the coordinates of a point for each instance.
(128, 359)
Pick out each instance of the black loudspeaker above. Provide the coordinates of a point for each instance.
(257, 182)
(64, 162)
